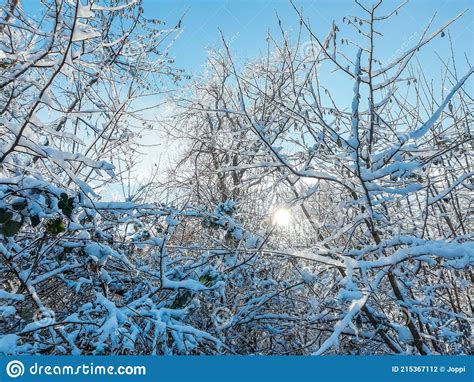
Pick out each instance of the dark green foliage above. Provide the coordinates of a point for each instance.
(182, 299)
(10, 228)
(66, 204)
(5, 216)
(55, 226)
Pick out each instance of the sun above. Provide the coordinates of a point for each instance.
(282, 217)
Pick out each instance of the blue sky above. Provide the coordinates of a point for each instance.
(246, 22)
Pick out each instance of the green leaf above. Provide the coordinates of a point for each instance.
(55, 226)
(182, 299)
(5, 216)
(10, 228)
(206, 280)
(35, 220)
(18, 205)
(66, 204)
